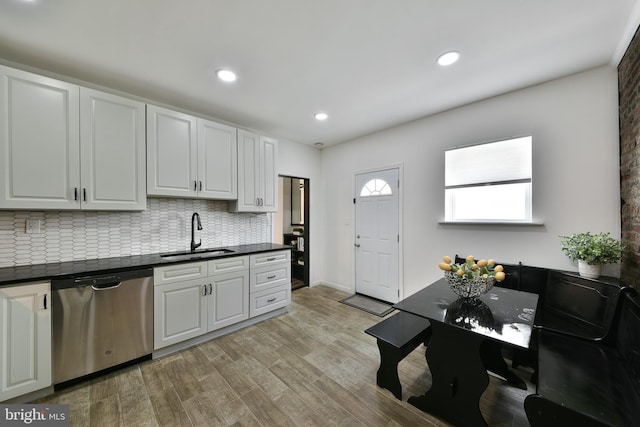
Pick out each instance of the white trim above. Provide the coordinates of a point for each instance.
(334, 286)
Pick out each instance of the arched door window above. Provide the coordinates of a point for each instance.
(375, 187)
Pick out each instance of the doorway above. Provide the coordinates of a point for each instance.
(377, 236)
(292, 226)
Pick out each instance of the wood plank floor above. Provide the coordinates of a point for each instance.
(311, 367)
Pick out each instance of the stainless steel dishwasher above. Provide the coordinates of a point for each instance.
(101, 321)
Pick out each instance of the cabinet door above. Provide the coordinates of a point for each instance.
(257, 173)
(217, 161)
(268, 174)
(25, 339)
(112, 136)
(229, 300)
(172, 156)
(248, 172)
(40, 142)
(179, 312)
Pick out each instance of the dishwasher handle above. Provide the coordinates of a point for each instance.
(106, 286)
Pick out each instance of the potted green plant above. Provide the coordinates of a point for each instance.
(592, 251)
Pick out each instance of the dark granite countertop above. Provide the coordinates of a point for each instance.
(60, 270)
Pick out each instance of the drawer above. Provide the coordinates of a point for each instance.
(228, 265)
(179, 272)
(270, 258)
(270, 277)
(269, 300)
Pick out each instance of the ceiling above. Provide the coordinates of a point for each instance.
(369, 64)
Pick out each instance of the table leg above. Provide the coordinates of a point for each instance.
(459, 376)
(493, 361)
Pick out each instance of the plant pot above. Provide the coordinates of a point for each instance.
(589, 271)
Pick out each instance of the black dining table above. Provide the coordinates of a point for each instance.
(466, 341)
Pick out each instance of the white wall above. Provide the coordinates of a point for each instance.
(574, 123)
(303, 161)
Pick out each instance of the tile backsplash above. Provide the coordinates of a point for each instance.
(164, 227)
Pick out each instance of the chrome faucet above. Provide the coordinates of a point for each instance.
(195, 245)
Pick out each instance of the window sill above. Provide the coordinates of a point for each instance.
(509, 223)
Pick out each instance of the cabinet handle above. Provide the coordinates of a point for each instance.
(200, 185)
(45, 301)
(210, 289)
(271, 277)
(195, 185)
(75, 194)
(204, 290)
(261, 201)
(271, 299)
(271, 259)
(257, 201)
(84, 194)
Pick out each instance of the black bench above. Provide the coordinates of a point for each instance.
(397, 336)
(590, 382)
(577, 306)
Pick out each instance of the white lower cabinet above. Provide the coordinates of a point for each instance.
(228, 299)
(270, 286)
(270, 299)
(179, 312)
(195, 298)
(25, 339)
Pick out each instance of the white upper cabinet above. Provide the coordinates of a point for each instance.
(40, 142)
(189, 156)
(217, 161)
(172, 153)
(67, 147)
(112, 147)
(257, 173)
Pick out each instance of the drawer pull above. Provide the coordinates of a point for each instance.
(271, 259)
(271, 299)
(271, 277)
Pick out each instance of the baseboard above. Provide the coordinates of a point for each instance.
(334, 285)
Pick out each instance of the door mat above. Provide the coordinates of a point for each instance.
(368, 304)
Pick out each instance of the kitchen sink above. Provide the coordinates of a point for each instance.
(199, 254)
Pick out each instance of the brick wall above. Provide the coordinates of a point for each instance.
(629, 111)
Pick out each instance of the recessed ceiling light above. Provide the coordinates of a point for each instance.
(226, 75)
(448, 58)
(319, 144)
(321, 116)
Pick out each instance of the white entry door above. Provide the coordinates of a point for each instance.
(377, 234)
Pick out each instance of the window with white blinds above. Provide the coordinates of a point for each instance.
(489, 182)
